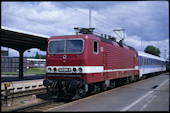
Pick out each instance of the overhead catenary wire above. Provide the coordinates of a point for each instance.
(109, 26)
(86, 14)
(28, 19)
(108, 18)
(123, 37)
(49, 25)
(53, 26)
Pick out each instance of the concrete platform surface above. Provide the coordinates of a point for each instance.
(151, 94)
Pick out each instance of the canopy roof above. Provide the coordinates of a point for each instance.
(21, 40)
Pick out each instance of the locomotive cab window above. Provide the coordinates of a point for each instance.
(95, 47)
(66, 46)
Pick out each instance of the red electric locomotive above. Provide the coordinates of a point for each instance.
(87, 63)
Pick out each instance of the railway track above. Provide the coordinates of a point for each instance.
(38, 102)
(29, 101)
(39, 107)
(23, 93)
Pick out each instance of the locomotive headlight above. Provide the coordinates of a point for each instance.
(80, 69)
(54, 69)
(74, 69)
(49, 69)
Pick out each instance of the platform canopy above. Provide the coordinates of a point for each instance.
(22, 41)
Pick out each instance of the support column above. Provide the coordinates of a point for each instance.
(21, 64)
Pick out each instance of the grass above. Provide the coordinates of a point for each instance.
(40, 70)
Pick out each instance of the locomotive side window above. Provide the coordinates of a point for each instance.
(95, 47)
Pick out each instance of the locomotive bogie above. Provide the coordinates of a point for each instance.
(60, 88)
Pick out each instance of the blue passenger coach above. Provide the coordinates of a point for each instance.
(150, 64)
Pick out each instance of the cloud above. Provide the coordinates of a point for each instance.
(145, 21)
(140, 45)
(138, 18)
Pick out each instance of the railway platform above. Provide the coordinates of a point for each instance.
(145, 95)
(29, 82)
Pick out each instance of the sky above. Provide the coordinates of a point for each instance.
(145, 22)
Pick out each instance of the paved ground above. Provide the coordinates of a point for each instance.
(151, 94)
(9, 78)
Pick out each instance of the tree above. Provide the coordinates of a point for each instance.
(152, 50)
(37, 55)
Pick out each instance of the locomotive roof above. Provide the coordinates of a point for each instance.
(110, 41)
(107, 40)
(150, 56)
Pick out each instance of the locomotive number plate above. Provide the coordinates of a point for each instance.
(64, 69)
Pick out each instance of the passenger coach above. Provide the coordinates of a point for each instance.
(150, 63)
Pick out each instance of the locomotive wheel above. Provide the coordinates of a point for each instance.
(131, 79)
(72, 94)
(95, 89)
(81, 93)
(136, 78)
(112, 84)
(127, 80)
(103, 87)
(119, 82)
(55, 95)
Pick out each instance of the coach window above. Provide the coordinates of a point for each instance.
(145, 62)
(141, 61)
(151, 62)
(95, 47)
